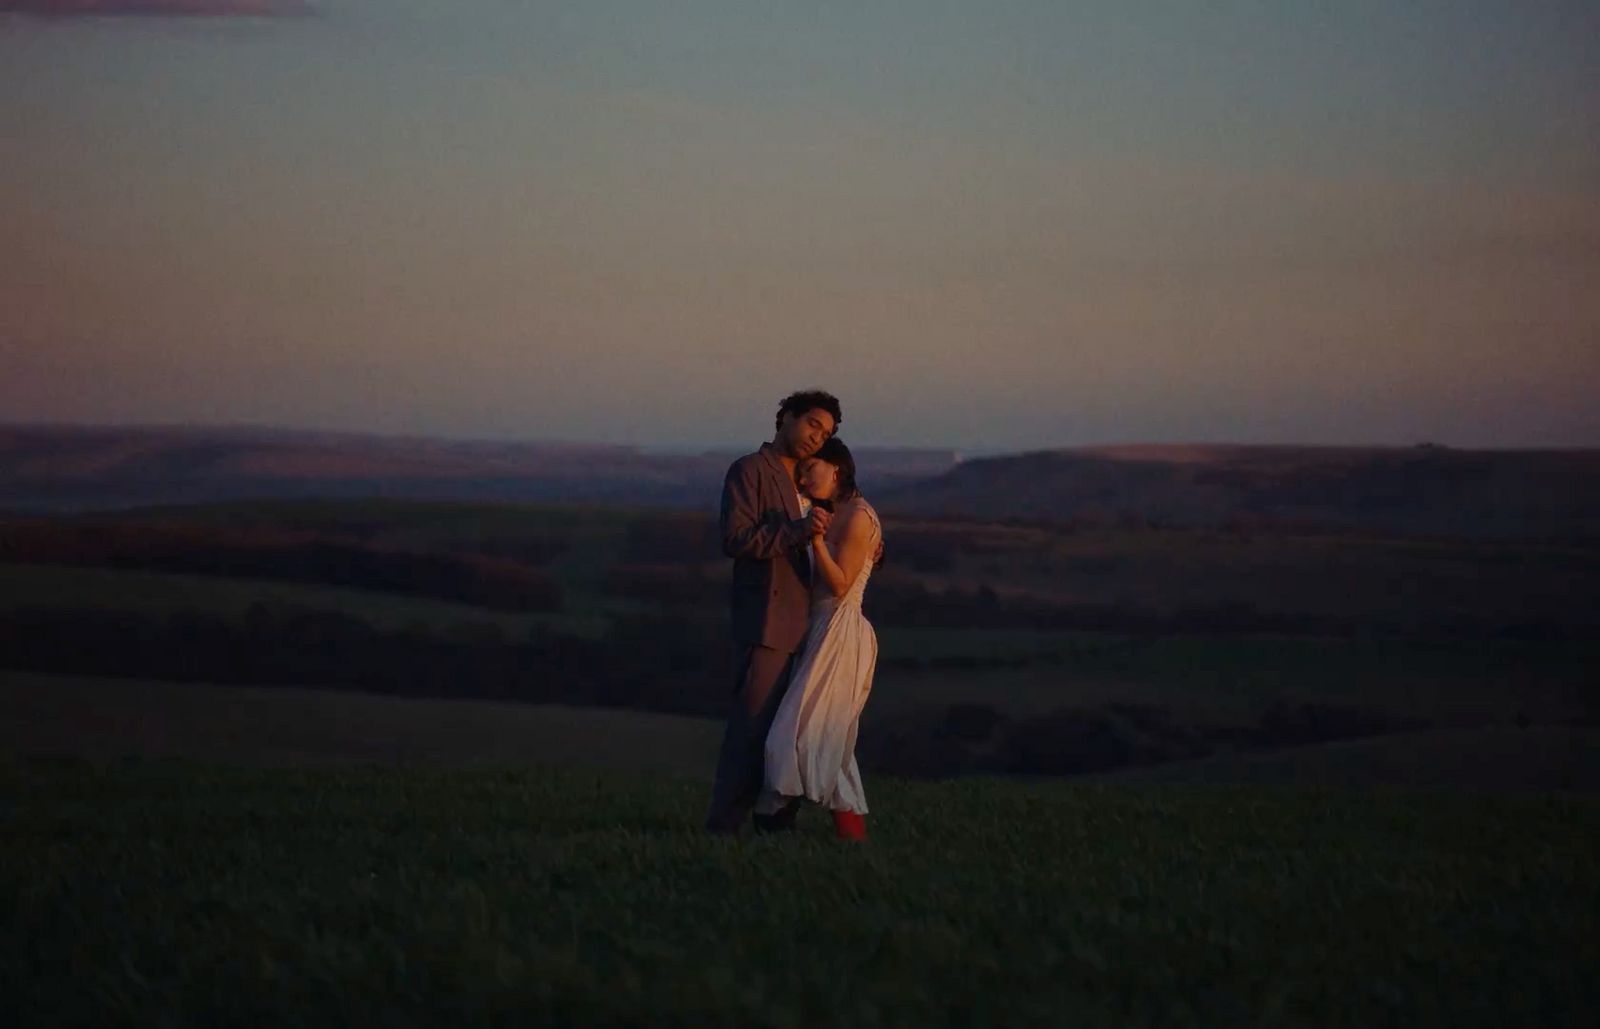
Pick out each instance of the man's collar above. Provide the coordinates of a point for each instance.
(791, 497)
(771, 453)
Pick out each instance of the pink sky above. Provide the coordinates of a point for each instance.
(1010, 228)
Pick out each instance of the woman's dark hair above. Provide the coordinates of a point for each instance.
(799, 403)
(837, 454)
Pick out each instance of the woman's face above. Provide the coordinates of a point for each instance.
(818, 479)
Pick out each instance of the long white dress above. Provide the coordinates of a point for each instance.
(811, 746)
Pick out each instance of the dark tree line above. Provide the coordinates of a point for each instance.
(903, 602)
(662, 662)
(495, 582)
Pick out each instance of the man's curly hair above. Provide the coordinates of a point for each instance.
(800, 402)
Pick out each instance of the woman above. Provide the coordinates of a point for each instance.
(811, 747)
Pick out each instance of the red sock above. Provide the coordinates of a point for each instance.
(848, 825)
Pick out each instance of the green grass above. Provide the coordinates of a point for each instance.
(1493, 758)
(177, 894)
(1223, 679)
(103, 718)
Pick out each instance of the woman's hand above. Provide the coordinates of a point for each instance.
(840, 569)
(817, 522)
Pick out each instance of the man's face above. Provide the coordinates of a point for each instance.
(803, 434)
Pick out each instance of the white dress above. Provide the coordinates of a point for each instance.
(811, 747)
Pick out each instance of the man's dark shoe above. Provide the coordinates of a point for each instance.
(781, 820)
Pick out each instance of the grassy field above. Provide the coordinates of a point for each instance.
(161, 893)
(162, 593)
(1219, 679)
(592, 535)
(102, 719)
(1397, 635)
(1488, 758)
(107, 719)
(1207, 679)
(411, 522)
(1392, 580)
(1389, 579)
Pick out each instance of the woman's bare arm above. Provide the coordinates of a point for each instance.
(840, 562)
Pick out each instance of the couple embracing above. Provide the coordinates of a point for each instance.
(803, 541)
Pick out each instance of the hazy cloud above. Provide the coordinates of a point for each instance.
(156, 8)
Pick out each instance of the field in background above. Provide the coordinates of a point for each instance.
(1019, 647)
(1015, 670)
(164, 594)
(105, 719)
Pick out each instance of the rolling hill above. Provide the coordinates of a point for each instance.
(1425, 490)
(75, 467)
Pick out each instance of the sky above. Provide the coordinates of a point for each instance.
(1012, 224)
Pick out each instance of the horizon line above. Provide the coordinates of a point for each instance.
(690, 449)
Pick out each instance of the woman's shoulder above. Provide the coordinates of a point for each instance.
(857, 512)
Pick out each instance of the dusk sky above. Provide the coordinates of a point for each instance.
(998, 225)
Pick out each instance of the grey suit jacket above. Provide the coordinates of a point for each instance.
(762, 531)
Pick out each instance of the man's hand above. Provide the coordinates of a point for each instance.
(817, 521)
(877, 554)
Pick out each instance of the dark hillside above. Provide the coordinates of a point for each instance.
(1419, 491)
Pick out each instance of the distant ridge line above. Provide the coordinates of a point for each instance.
(1423, 489)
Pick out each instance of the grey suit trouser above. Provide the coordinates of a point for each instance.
(762, 678)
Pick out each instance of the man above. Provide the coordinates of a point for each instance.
(768, 538)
